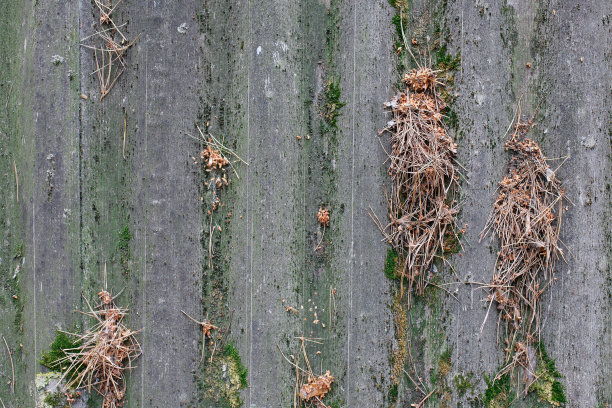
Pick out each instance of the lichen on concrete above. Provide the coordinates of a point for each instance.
(52, 392)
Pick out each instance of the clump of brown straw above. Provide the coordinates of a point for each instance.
(424, 176)
(526, 217)
(107, 350)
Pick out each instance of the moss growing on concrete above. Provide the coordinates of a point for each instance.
(391, 264)
(447, 65)
(463, 384)
(223, 378)
(445, 363)
(331, 106)
(401, 22)
(124, 239)
(19, 251)
(232, 352)
(498, 393)
(123, 249)
(393, 393)
(400, 353)
(54, 399)
(452, 243)
(547, 385)
(446, 61)
(335, 404)
(52, 358)
(52, 392)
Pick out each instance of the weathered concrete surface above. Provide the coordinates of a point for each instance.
(258, 75)
(292, 52)
(568, 48)
(153, 191)
(41, 137)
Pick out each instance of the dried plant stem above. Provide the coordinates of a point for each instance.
(310, 388)
(124, 132)
(12, 366)
(207, 327)
(111, 51)
(16, 179)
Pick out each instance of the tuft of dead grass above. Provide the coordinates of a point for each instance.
(526, 218)
(108, 350)
(422, 208)
(316, 387)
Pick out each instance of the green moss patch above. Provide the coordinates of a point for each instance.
(332, 105)
(232, 352)
(464, 383)
(52, 392)
(52, 359)
(498, 393)
(547, 385)
(125, 236)
(223, 378)
(445, 363)
(446, 61)
(452, 244)
(391, 264)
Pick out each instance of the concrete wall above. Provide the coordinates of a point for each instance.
(258, 75)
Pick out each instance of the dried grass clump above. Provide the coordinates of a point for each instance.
(214, 163)
(212, 158)
(215, 160)
(316, 387)
(310, 389)
(110, 55)
(424, 174)
(526, 217)
(107, 350)
(323, 217)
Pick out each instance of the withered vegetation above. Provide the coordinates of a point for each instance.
(316, 388)
(425, 177)
(112, 46)
(310, 389)
(106, 351)
(526, 218)
(215, 159)
(323, 216)
(207, 327)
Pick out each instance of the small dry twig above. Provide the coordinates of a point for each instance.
(124, 132)
(207, 327)
(12, 366)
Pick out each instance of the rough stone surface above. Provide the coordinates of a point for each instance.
(258, 75)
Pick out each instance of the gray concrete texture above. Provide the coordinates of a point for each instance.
(258, 75)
